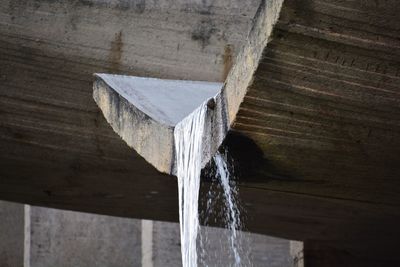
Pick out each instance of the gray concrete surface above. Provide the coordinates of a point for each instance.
(66, 239)
(166, 101)
(166, 244)
(12, 234)
(69, 239)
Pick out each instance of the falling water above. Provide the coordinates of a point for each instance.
(222, 207)
(189, 136)
(233, 216)
(188, 146)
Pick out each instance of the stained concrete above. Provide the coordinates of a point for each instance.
(168, 39)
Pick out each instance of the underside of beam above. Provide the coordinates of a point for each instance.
(313, 105)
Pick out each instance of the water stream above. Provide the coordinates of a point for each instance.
(188, 146)
(189, 135)
(232, 217)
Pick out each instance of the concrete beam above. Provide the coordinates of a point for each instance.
(56, 149)
(166, 39)
(317, 113)
(317, 106)
(128, 103)
(144, 111)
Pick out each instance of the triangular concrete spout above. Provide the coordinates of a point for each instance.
(144, 111)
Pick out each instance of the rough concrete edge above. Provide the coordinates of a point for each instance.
(216, 127)
(226, 104)
(149, 138)
(241, 75)
(296, 253)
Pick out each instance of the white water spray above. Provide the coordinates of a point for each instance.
(222, 206)
(233, 215)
